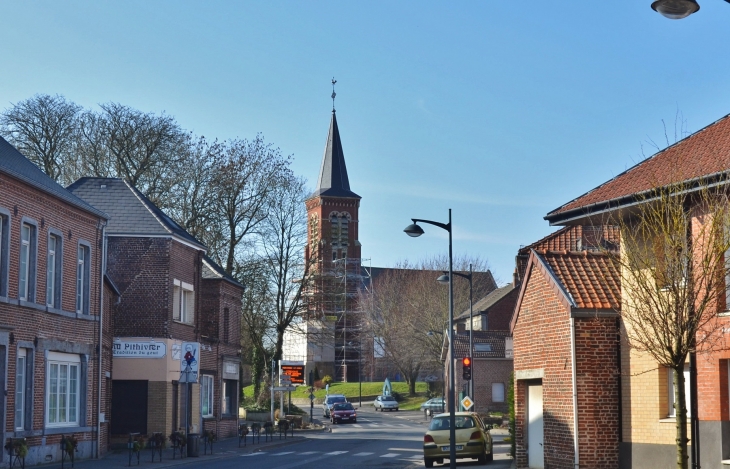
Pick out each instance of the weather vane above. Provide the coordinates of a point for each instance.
(333, 93)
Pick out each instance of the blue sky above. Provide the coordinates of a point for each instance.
(501, 111)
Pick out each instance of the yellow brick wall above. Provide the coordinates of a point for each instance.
(159, 407)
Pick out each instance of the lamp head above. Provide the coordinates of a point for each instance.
(675, 9)
(413, 230)
(443, 279)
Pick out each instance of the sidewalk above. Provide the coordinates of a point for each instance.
(221, 449)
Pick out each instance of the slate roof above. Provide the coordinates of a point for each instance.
(703, 154)
(211, 270)
(14, 164)
(333, 180)
(590, 279)
(494, 338)
(488, 301)
(131, 212)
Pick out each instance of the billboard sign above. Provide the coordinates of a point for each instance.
(294, 370)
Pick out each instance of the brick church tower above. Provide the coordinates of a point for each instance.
(334, 252)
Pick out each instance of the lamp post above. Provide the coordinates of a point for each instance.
(445, 278)
(359, 370)
(415, 231)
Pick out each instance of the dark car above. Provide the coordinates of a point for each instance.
(343, 412)
(331, 400)
(433, 406)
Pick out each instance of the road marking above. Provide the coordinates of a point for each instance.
(335, 453)
(410, 450)
(357, 425)
(308, 453)
(390, 455)
(416, 456)
(282, 453)
(362, 454)
(253, 454)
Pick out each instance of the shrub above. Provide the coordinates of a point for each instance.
(318, 384)
(327, 380)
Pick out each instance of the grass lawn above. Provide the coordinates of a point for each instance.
(352, 390)
(412, 402)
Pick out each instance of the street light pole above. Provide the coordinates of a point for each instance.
(414, 231)
(445, 279)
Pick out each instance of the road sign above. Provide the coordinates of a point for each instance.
(284, 388)
(467, 403)
(189, 362)
(311, 397)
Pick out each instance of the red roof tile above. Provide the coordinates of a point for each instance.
(703, 153)
(591, 279)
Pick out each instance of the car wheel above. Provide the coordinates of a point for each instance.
(428, 462)
(482, 459)
(490, 456)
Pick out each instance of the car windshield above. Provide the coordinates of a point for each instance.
(334, 399)
(343, 406)
(388, 398)
(442, 423)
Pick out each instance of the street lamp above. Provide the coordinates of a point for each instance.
(675, 9)
(415, 231)
(445, 279)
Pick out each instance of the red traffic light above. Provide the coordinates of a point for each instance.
(466, 361)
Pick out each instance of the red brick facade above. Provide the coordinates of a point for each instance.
(543, 355)
(42, 331)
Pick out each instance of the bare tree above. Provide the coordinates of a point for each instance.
(144, 147)
(406, 303)
(243, 179)
(42, 128)
(673, 270)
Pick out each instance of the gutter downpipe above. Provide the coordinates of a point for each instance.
(101, 337)
(576, 463)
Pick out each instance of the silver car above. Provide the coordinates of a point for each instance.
(385, 403)
(329, 401)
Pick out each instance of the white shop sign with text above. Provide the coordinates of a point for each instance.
(139, 349)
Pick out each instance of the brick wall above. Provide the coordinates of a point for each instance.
(485, 372)
(140, 269)
(542, 341)
(40, 329)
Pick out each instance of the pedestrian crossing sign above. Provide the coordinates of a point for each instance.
(467, 403)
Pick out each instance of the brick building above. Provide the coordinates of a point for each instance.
(648, 426)
(170, 294)
(54, 307)
(566, 352)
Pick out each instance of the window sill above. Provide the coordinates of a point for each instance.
(30, 304)
(208, 417)
(69, 429)
(668, 420)
(177, 321)
(724, 314)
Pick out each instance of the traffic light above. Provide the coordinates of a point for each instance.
(466, 368)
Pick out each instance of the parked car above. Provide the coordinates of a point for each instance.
(433, 406)
(329, 401)
(343, 412)
(385, 402)
(472, 439)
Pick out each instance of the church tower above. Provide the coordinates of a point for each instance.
(334, 255)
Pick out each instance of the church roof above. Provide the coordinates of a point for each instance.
(333, 181)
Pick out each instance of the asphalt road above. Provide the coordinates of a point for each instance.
(388, 440)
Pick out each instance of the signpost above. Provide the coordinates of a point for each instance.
(189, 374)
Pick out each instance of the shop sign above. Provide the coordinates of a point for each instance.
(138, 349)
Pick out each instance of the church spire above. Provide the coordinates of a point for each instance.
(333, 180)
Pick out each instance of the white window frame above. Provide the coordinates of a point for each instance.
(25, 268)
(83, 266)
(53, 271)
(670, 392)
(58, 416)
(206, 395)
(20, 388)
(183, 302)
(4, 251)
(496, 391)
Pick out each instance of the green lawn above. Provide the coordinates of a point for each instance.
(352, 390)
